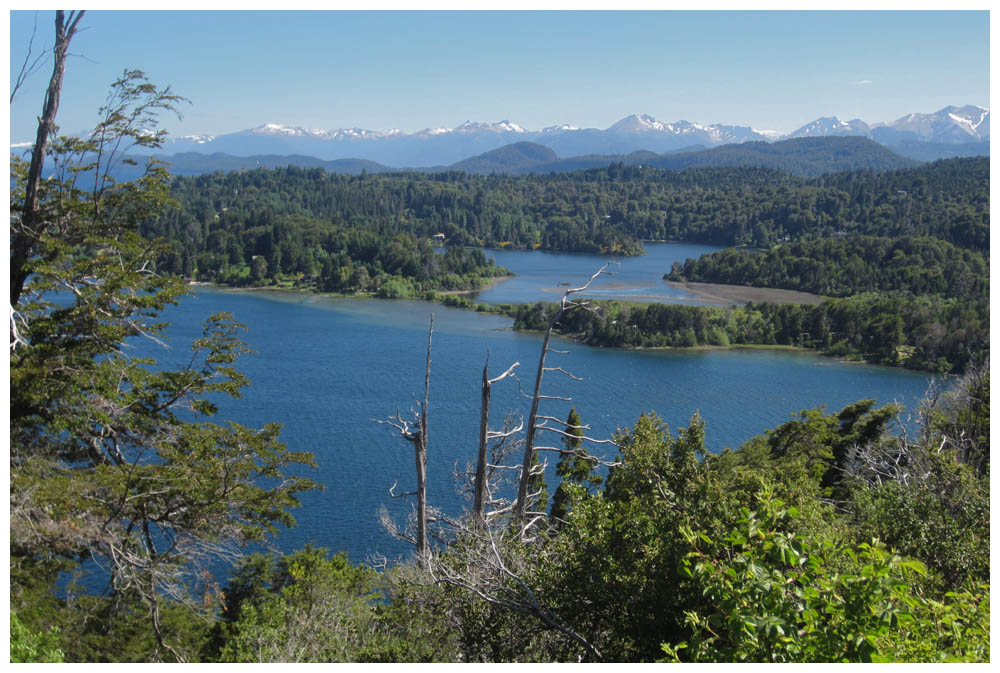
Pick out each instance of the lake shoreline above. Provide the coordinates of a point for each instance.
(498, 280)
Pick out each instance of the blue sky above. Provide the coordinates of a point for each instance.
(413, 70)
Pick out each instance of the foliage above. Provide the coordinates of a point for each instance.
(110, 454)
(849, 265)
(928, 333)
(574, 469)
(302, 607)
(777, 595)
(942, 519)
(27, 646)
(930, 498)
(299, 217)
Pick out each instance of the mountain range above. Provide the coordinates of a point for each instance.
(929, 135)
(805, 157)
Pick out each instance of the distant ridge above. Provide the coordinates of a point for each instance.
(807, 157)
(513, 158)
(967, 126)
(192, 163)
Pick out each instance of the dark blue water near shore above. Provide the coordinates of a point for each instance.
(325, 368)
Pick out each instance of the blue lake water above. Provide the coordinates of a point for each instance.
(325, 368)
(545, 276)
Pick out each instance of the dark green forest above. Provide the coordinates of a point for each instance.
(301, 219)
(832, 537)
(927, 332)
(840, 267)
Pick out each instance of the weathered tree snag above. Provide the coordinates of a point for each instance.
(484, 422)
(418, 438)
(25, 234)
(479, 504)
(529, 444)
(421, 451)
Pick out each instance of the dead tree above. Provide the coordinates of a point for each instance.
(484, 436)
(565, 305)
(24, 234)
(491, 553)
(418, 438)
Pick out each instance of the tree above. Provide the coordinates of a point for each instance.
(418, 438)
(485, 470)
(111, 457)
(535, 421)
(574, 467)
(306, 606)
(777, 590)
(25, 233)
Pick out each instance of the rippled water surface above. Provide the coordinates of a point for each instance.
(325, 368)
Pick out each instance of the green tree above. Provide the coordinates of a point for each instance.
(777, 592)
(110, 455)
(573, 468)
(306, 606)
(258, 270)
(27, 646)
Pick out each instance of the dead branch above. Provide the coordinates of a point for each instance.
(494, 569)
(529, 446)
(418, 438)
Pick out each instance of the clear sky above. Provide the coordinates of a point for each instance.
(413, 70)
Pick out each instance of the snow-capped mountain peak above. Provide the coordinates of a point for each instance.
(433, 132)
(831, 126)
(195, 139)
(559, 128)
(442, 145)
(504, 126)
(273, 129)
(970, 123)
(637, 123)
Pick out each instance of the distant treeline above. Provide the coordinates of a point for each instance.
(223, 220)
(928, 333)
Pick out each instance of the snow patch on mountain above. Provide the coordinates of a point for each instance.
(559, 128)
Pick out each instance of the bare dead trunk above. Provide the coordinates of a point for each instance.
(23, 240)
(421, 457)
(484, 422)
(529, 442)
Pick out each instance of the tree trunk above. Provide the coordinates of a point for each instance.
(529, 442)
(22, 243)
(421, 456)
(479, 504)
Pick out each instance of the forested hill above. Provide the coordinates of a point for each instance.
(805, 157)
(297, 219)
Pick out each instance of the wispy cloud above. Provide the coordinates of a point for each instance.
(863, 82)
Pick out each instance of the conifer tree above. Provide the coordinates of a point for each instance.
(573, 467)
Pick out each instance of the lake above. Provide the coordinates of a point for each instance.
(325, 368)
(544, 276)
